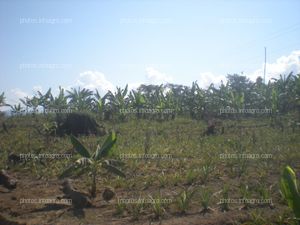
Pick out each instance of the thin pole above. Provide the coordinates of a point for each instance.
(265, 65)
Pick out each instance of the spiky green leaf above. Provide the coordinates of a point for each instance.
(106, 147)
(114, 162)
(114, 170)
(79, 166)
(80, 147)
(289, 189)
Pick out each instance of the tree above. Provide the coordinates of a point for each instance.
(240, 87)
(258, 94)
(238, 83)
(180, 94)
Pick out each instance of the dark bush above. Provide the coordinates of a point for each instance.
(78, 124)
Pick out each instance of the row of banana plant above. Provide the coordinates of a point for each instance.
(281, 95)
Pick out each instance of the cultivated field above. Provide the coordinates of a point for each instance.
(175, 172)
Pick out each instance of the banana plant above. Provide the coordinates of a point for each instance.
(2, 100)
(26, 103)
(118, 101)
(80, 99)
(44, 99)
(297, 93)
(170, 103)
(31, 103)
(285, 86)
(60, 101)
(137, 101)
(274, 100)
(237, 100)
(99, 104)
(178, 93)
(93, 162)
(17, 109)
(289, 189)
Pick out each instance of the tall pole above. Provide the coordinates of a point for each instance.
(265, 65)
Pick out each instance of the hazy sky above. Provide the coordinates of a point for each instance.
(103, 44)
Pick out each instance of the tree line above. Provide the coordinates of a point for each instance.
(280, 95)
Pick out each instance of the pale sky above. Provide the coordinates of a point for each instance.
(104, 44)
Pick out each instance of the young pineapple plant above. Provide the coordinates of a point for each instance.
(242, 163)
(289, 190)
(205, 199)
(119, 182)
(176, 178)
(184, 200)
(191, 177)
(137, 208)
(120, 208)
(147, 143)
(225, 196)
(158, 207)
(257, 218)
(149, 182)
(284, 218)
(242, 167)
(206, 170)
(162, 178)
(245, 192)
(265, 195)
(91, 163)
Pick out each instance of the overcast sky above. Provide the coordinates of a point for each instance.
(103, 44)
